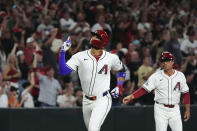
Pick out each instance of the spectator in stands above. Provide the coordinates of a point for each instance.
(79, 97)
(23, 68)
(147, 40)
(101, 25)
(22, 64)
(173, 46)
(3, 57)
(143, 25)
(158, 45)
(123, 31)
(28, 103)
(38, 66)
(45, 27)
(3, 98)
(67, 99)
(52, 12)
(7, 41)
(190, 70)
(47, 52)
(131, 49)
(67, 24)
(86, 38)
(11, 71)
(29, 50)
(133, 66)
(189, 45)
(143, 72)
(13, 98)
(3, 93)
(49, 88)
(81, 22)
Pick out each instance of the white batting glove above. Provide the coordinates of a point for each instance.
(115, 92)
(66, 45)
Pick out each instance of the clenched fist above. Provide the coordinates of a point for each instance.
(127, 99)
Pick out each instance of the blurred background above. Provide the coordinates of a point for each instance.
(32, 32)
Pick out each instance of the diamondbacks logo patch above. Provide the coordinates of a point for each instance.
(104, 69)
(177, 87)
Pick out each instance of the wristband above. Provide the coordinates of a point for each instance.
(121, 74)
(120, 82)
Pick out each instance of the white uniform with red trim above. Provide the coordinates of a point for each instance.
(95, 80)
(167, 92)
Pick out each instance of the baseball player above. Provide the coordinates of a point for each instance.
(168, 85)
(93, 67)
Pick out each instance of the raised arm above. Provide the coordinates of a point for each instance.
(63, 68)
(14, 49)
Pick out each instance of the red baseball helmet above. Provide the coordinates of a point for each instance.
(103, 39)
(166, 56)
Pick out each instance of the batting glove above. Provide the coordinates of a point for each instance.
(66, 45)
(115, 92)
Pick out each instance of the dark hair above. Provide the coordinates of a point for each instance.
(190, 31)
(48, 68)
(26, 84)
(12, 88)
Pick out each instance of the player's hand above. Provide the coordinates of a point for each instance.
(186, 116)
(66, 45)
(115, 92)
(127, 99)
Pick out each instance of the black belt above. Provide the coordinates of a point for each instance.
(93, 98)
(169, 106)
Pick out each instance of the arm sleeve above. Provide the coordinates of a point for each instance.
(150, 84)
(58, 85)
(139, 92)
(184, 86)
(116, 63)
(63, 68)
(186, 98)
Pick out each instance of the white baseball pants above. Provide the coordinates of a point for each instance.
(95, 112)
(164, 116)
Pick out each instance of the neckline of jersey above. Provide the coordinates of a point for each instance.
(175, 72)
(99, 57)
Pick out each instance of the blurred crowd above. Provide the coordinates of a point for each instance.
(32, 32)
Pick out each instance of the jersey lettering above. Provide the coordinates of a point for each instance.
(177, 86)
(104, 69)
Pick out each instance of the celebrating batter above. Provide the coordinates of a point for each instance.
(93, 67)
(168, 85)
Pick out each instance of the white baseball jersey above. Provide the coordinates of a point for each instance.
(167, 89)
(94, 75)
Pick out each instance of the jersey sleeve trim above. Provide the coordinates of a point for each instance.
(185, 92)
(146, 89)
(70, 67)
